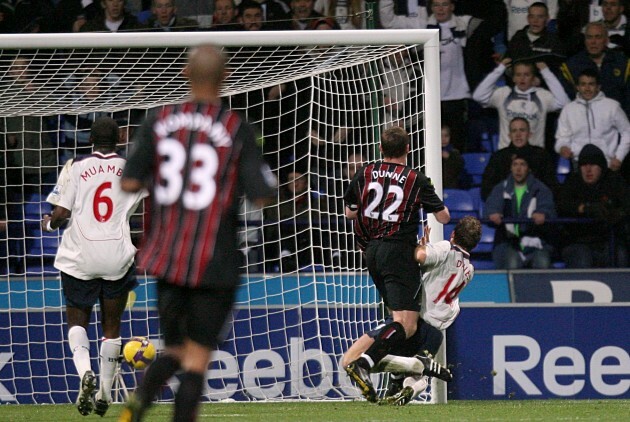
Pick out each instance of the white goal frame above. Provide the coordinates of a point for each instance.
(428, 40)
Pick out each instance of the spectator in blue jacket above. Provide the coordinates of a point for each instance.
(522, 196)
(613, 66)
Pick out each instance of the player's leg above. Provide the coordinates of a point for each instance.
(206, 323)
(172, 303)
(81, 295)
(113, 300)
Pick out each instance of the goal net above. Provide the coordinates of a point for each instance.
(318, 100)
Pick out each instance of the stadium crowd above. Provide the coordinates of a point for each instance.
(531, 86)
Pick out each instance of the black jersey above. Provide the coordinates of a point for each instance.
(388, 198)
(200, 158)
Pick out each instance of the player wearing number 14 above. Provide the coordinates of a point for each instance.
(95, 257)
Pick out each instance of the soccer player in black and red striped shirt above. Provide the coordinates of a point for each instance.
(384, 200)
(197, 159)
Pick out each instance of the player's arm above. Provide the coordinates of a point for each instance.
(129, 184)
(443, 216)
(59, 216)
(351, 213)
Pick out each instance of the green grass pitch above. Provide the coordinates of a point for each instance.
(511, 410)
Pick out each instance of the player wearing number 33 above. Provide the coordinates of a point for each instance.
(198, 158)
(95, 257)
(384, 198)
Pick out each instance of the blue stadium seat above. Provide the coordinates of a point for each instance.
(44, 243)
(487, 240)
(563, 169)
(476, 196)
(475, 163)
(460, 203)
(483, 264)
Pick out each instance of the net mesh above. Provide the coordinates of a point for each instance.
(305, 295)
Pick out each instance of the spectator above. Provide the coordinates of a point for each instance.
(32, 16)
(616, 23)
(518, 12)
(535, 41)
(397, 72)
(164, 18)
(400, 14)
(70, 15)
(593, 119)
(301, 14)
(453, 166)
(465, 55)
(276, 13)
(7, 23)
(251, 16)
(612, 66)
(521, 195)
(28, 138)
(114, 19)
(573, 15)
(523, 100)
(499, 165)
(225, 16)
(595, 192)
(298, 215)
(349, 14)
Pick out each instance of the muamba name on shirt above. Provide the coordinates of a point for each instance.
(94, 170)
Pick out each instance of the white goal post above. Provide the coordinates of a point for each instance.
(319, 101)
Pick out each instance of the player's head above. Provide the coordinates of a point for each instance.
(467, 233)
(206, 66)
(395, 142)
(104, 133)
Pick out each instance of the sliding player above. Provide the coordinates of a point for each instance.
(447, 270)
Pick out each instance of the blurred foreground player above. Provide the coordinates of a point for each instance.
(95, 257)
(196, 158)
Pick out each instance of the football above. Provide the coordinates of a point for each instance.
(139, 352)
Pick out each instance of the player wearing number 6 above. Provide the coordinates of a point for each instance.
(384, 198)
(95, 257)
(198, 158)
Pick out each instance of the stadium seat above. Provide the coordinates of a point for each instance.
(475, 163)
(475, 193)
(460, 203)
(486, 244)
(563, 169)
(44, 243)
(483, 264)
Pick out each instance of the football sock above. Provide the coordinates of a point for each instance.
(391, 336)
(431, 338)
(80, 347)
(188, 395)
(110, 352)
(154, 378)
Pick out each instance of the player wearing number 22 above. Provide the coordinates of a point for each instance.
(95, 257)
(384, 198)
(198, 158)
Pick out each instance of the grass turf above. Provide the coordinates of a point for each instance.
(511, 410)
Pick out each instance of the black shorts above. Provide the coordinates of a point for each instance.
(197, 314)
(84, 293)
(395, 273)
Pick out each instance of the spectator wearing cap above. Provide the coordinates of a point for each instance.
(522, 196)
(540, 161)
(602, 195)
(592, 118)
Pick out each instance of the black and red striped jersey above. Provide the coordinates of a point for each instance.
(388, 198)
(197, 159)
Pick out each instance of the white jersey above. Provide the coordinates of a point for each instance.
(447, 270)
(62, 182)
(97, 240)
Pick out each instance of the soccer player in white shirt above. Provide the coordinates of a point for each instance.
(95, 257)
(446, 271)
